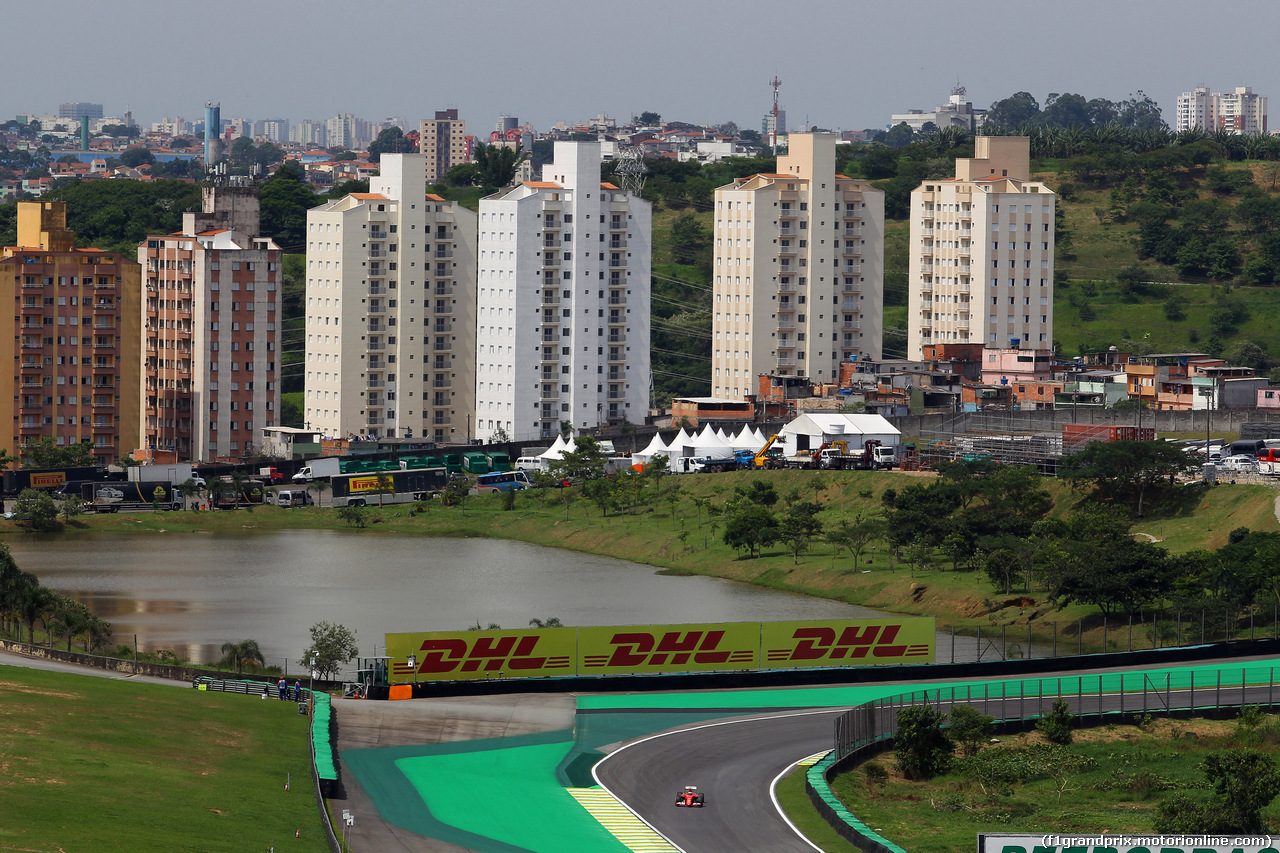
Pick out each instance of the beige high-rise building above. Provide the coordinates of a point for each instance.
(980, 268)
(444, 141)
(798, 271)
(1240, 112)
(77, 342)
(391, 311)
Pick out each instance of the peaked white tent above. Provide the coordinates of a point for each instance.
(554, 452)
(677, 445)
(746, 440)
(656, 447)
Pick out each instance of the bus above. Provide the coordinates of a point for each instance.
(502, 481)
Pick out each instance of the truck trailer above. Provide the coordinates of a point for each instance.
(377, 488)
(130, 494)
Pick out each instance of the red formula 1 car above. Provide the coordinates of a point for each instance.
(690, 798)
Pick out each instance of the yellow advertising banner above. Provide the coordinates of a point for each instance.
(653, 649)
(635, 649)
(461, 655)
(373, 483)
(784, 645)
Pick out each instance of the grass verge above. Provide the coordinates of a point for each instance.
(795, 804)
(1131, 770)
(99, 764)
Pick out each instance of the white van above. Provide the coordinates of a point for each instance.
(528, 463)
(294, 497)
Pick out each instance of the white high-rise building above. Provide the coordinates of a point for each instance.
(798, 271)
(1240, 112)
(980, 268)
(562, 302)
(390, 311)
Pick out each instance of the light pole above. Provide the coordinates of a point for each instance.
(1207, 393)
(311, 685)
(413, 665)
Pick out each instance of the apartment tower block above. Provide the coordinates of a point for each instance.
(76, 338)
(390, 311)
(212, 323)
(562, 302)
(798, 271)
(980, 268)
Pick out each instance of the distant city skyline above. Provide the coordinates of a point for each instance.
(843, 65)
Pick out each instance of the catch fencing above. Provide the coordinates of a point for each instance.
(1099, 633)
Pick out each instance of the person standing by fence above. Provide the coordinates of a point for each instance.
(284, 687)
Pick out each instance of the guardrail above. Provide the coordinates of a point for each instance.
(1094, 700)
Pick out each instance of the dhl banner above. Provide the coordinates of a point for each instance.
(653, 649)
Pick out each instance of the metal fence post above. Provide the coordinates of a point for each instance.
(953, 643)
(1004, 647)
(1055, 639)
(1027, 655)
(979, 644)
(1104, 633)
(1217, 696)
(1130, 632)
(1080, 636)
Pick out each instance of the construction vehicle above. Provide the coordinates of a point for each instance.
(762, 457)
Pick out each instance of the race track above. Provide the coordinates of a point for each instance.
(734, 764)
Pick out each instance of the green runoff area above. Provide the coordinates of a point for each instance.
(434, 789)
(95, 763)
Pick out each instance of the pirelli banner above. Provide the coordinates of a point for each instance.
(653, 649)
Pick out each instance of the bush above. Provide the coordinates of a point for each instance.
(921, 746)
(1056, 725)
(970, 728)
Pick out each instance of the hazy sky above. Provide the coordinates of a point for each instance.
(844, 64)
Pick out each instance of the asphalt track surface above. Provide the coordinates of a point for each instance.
(734, 764)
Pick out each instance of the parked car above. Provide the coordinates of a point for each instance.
(1239, 464)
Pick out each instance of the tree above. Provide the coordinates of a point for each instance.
(495, 165)
(318, 485)
(70, 505)
(285, 198)
(69, 618)
(922, 747)
(1056, 725)
(1014, 111)
(37, 509)
(1091, 559)
(690, 242)
(751, 527)
(585, 462)
(1124, 471)
(241, 653)
(45, 453)
(32, 603)
(553, 622)
(970, 728)
(799, 526)
(135, 157)
(331, 647)
(649, 118)
(390, 141)
(1245, 782)
(856, 535)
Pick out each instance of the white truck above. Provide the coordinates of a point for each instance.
(318, 469)
(177, 473)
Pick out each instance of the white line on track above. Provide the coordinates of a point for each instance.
(806, 713)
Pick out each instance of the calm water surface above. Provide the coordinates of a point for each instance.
(193, 592)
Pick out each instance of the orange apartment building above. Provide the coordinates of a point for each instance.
(211, 373)
(76, 341)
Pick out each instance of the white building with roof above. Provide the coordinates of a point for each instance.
(562, 325)
(390, 311)
(811, 431)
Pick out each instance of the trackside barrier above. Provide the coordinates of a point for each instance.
(322, 745)
(1093, 699)
(249, 688)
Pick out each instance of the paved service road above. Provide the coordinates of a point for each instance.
(737, 782)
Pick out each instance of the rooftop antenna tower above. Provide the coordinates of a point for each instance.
(775, 83)
(630, 169)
